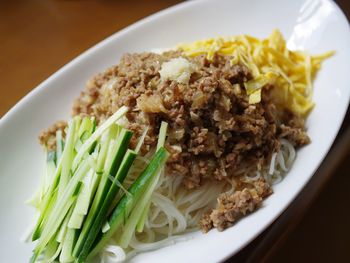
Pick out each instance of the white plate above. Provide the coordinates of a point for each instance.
(317, 26)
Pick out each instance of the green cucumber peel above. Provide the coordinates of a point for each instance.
(97, 133)
(124, 207)
(161, 141)
(60, 209)
(103, 212)
(116, 153)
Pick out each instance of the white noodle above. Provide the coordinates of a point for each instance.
(113, 254)
(277, 178)
(290, 152)
(176, 210)
(272, 164)
(252, 179)
(281, 162)
(169, 208)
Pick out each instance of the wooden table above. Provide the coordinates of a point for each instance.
(38, 37)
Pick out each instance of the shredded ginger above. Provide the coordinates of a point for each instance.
(178, 69)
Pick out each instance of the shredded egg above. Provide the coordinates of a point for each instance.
(270, 62)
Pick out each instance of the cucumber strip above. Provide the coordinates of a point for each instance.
(86, 128)
(60, 209)
(83, 200)
(80, 141)
(84, 132)
(48, 201)
(92, 161)
(141, 224)
(122, 211)
(50, 172)
(138, 210)
(94, 124)
(160, 143)
(67, 246)
(63, 229)
(51, 250)
(85, 197)
(141, 140)
(102, 213)
(77, 119)
(92, 182)
(162, 134)
(59, 145)
(114, 132)
(105, 227)
(78, 144)
(85, 135)
(67, 157)
(105, 140)
(47, 205)
(76, 221)
(117, 154)
(109, 138)
(51, 157)
(37, 199)
(87, 145)
(53, 257)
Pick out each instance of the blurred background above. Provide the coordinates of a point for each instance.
(38, 37)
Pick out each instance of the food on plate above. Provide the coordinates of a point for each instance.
(164, 143)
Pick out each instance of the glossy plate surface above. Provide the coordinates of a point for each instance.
(315, 25)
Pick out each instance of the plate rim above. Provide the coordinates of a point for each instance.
(175, 8)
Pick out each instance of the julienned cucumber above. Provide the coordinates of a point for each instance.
(161, 142)
(80, 194)
(54, 210)
(102, 213)
(60, 210)
(125, 206)
(99, 131)
(117, 155)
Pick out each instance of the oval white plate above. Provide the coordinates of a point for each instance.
(315, 25)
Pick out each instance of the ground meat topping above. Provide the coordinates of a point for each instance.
(206, 223)
(297, 136)
(232, 207)
(209, 118)
(213, 130)
(48, 137)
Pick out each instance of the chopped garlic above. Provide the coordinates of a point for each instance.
(177, 69)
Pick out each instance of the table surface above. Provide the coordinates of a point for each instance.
(38, 37)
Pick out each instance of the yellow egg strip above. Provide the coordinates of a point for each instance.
(291, 72)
